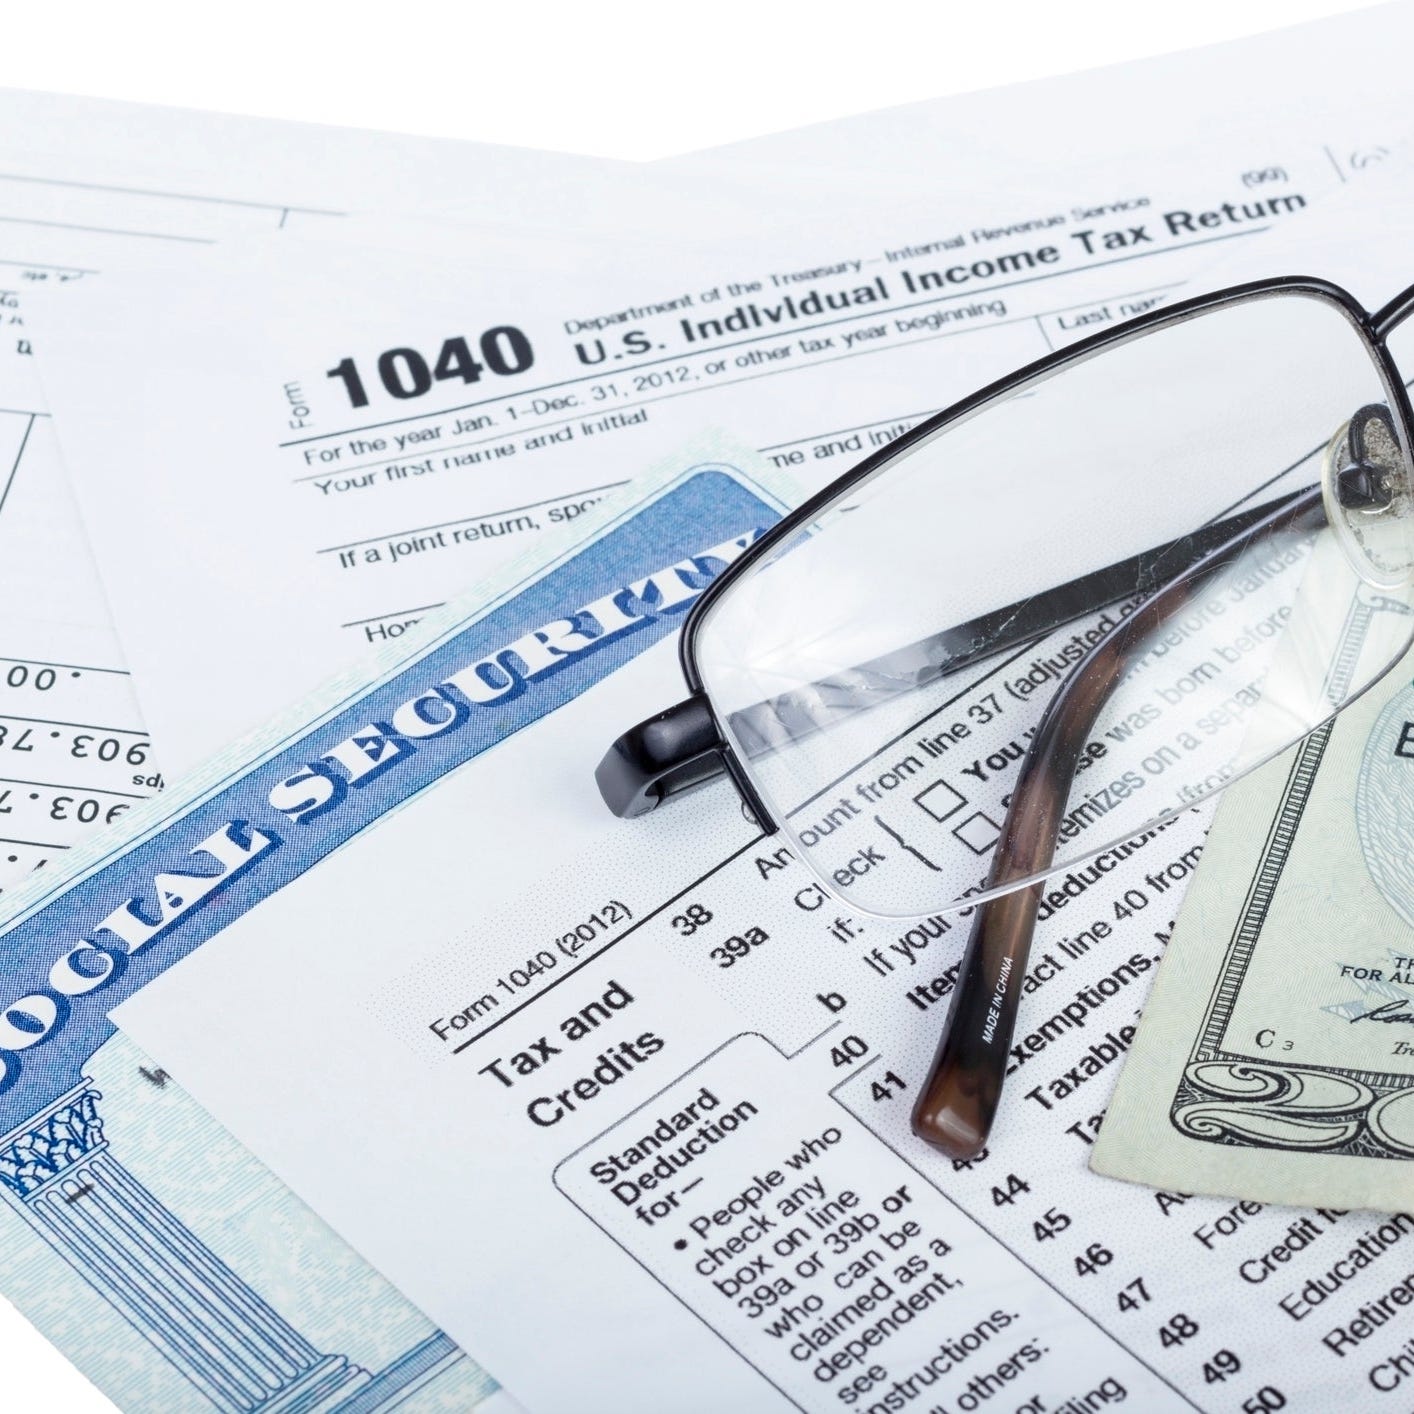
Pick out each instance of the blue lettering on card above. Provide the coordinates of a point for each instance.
(151, 900)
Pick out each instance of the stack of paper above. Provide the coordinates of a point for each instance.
(618, 1112)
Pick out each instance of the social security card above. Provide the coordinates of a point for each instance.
(173, 1268)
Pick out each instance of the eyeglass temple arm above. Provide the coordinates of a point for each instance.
(959, 1099)
(681, 747)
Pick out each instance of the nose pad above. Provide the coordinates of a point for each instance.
(1368, 499)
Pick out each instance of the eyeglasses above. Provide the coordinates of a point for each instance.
(1046, 621)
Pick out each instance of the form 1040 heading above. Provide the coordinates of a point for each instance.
(777, 301)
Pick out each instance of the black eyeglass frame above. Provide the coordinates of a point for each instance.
(683, 746)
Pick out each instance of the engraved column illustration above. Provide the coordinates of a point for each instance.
(237, 1350)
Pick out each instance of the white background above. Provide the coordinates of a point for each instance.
(628, 80)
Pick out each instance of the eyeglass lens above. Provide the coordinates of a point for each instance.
(882, 674)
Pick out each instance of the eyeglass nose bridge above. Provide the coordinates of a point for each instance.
(1368, 501)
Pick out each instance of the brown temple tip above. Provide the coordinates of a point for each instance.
(952, 1115)
(959, 1098)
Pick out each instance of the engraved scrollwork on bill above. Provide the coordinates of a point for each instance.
(1273, 1106)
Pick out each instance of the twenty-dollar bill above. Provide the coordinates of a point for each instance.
(1276, 1057)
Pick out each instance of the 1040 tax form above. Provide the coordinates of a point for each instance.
(642, 1090)
(647, 1101)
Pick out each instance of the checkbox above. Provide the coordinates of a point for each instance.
(978, 832)
(940, 800)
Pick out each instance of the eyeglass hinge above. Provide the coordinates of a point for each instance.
(669, 753)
